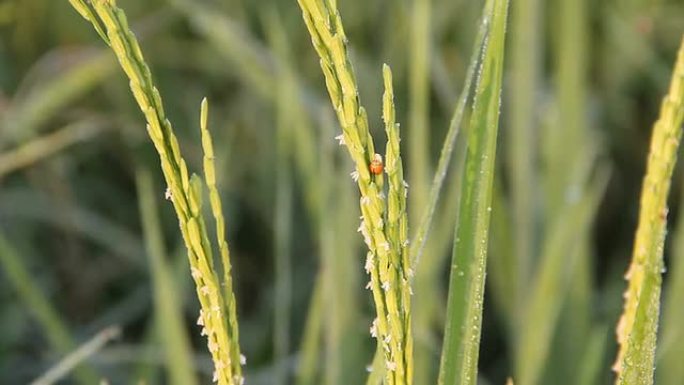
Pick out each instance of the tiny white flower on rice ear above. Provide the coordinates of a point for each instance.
(374, 329)
(195, 273)
(369, 263)
(212, 346)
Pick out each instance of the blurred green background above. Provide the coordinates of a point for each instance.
(87, 240)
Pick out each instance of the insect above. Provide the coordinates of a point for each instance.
(376, 165)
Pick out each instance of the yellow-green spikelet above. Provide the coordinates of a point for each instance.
(217, 314)
(636, 331)
(387, 244)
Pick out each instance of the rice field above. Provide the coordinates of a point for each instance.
(319, 192)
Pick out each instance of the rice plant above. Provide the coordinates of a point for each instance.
(384, 220)
(218, 313)
(636, 330)
(524, 145)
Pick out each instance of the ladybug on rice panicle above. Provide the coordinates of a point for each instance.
(376, 166)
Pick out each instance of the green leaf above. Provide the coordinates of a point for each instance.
(467, 278)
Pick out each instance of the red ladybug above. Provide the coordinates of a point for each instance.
(376, 166)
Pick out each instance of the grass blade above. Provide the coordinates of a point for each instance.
(72, 360)
(421, 235)
(37, 303)
(283, 223)
(168, 311)
(22, 203)
(49, 144)
(28, 113)
(243, 51)
(568, 141)
(525, 64)
(427, 312)
(419, 110)
(467, 277)
(636, 331)
(555, 272)
(310, 346)
(593, 356)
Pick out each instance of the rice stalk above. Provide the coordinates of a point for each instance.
(384, 224)
(218, 314)
(638, 325)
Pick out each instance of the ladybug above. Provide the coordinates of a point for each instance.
(376, 166)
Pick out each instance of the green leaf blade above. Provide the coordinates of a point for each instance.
(466, 284)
